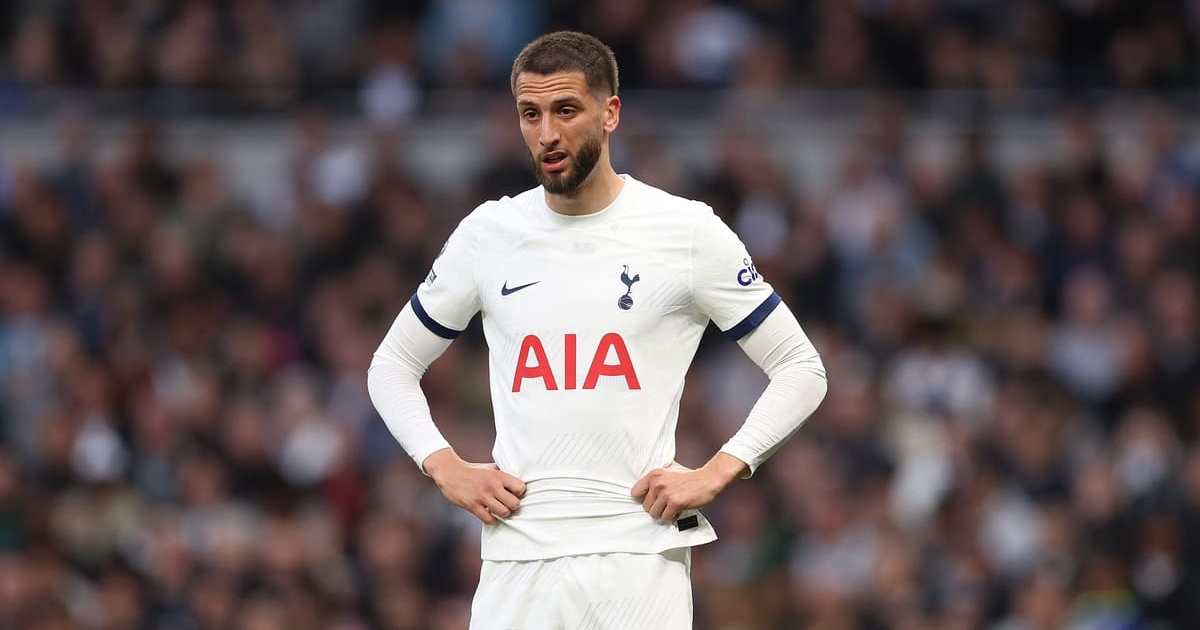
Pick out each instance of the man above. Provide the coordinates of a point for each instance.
(595, 289)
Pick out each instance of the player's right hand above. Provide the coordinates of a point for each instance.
(481, 489)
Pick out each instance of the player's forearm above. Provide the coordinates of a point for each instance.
(797, 387)
(790, 398)
(394, 384)
(398, 398)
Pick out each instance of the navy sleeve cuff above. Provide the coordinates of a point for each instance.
(752, 320)
(430, 323)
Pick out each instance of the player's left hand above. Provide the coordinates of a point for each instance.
(666, 492)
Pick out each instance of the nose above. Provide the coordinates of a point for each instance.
(548, 134)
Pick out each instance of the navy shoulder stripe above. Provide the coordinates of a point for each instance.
(755, 318)
(433, 326)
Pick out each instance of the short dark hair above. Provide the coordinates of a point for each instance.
(568, 51)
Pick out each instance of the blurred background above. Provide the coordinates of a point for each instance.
(984, 213)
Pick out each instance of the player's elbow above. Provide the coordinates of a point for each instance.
(799, 362)
(820, 385)
(809, 388)
(375, 379)
(384, 375)
(376, 370)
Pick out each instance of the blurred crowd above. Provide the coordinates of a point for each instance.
(1012, 435)
(184, 56)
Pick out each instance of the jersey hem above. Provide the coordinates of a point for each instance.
(597, 550)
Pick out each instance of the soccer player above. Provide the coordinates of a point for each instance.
(595, 289)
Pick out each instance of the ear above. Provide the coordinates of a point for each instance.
(612, 113)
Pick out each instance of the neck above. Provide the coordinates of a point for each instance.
(595, 194)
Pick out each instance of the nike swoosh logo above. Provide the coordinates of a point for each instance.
(504, 290)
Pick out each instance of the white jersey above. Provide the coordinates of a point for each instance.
(591, 323)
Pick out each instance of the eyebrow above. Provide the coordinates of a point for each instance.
(566, 100)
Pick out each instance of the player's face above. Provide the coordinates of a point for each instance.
(565, 126)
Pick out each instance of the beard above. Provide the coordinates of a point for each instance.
(582, 163)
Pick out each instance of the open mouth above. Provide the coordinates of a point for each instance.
(555, 160)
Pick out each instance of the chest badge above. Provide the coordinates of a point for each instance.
(626, 301)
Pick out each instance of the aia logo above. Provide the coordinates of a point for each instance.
(747, 274)
(532, 363)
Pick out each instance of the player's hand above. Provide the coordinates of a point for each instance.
(667, 491)
(481, 489)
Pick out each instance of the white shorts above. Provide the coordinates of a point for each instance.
(609, 591)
